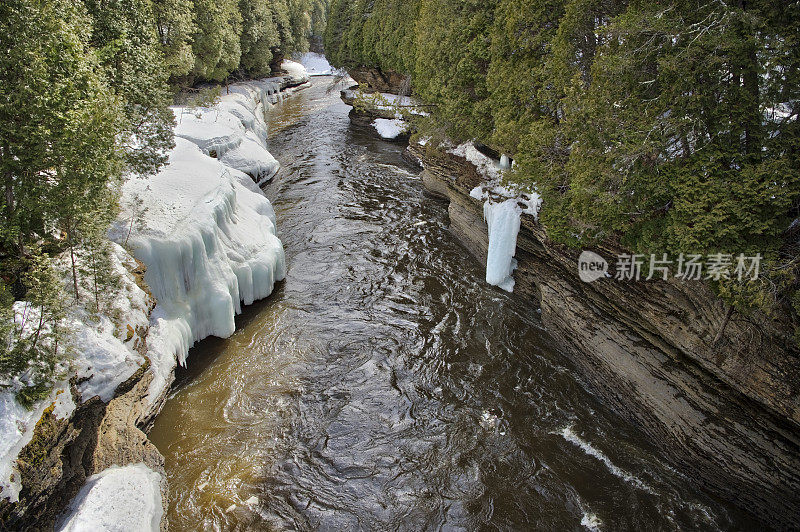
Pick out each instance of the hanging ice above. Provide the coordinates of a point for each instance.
(208, 240)
(503, 220)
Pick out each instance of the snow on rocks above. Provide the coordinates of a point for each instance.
(385, 101)
(297, 73)
(105, 357)
(117, 499)
(390, 129)
(208, 241)
(206, 233)
(234, 130)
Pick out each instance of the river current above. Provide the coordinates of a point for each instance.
(385, 386)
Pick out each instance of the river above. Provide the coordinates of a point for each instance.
(385, 386)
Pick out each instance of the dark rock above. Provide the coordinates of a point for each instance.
(375, 79)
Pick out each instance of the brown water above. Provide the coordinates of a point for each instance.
(385, 386)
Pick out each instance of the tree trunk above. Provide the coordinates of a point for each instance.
(74, 266)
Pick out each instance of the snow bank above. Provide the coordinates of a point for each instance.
(316, 64)
(208, 240)
(207, 235)
(124, 499)
(390, 129)
(503, 220)
(234, 130)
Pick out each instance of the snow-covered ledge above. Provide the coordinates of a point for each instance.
(208, 241)
(203, 228)
(207, 235)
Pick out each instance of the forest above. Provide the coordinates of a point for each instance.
(661, 127)
(84, 103)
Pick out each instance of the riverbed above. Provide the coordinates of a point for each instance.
(385, 386)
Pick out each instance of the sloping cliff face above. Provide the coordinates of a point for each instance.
(727, 412)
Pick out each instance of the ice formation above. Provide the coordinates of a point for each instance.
(390, 129)
(208, 240)
(207, 235)
(503, 207)
(503, 220)
(117, 499)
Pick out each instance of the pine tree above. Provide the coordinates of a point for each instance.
(216, 45)
(259, 36)
(124, 34)
(175, 25)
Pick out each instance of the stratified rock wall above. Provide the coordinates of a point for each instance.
(726, 413)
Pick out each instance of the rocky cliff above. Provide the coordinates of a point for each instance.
(375, 79)
(66, 450)
(720, 400)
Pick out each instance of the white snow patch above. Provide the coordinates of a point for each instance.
(124, 499)
(591, 522)
(235, 129)
(390, 129)
(104, 359)
(316, 64)
(486, 166)
(64, 405)
(253, 159)
(385, 101)
(297, 72)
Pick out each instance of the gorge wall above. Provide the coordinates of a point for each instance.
(726, 413)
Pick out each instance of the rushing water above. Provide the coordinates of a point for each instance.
(385, 386)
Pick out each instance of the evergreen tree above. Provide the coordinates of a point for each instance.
(124, 34)
(453, 43)
(259, 36)
(174, 20)
(216, 43)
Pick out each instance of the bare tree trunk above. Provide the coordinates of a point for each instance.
(74, 266)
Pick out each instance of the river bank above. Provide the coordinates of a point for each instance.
(203, 237)
(656, 352)
(667, 356)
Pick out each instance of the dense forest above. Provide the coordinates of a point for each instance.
(84, 103)
(663, 127)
